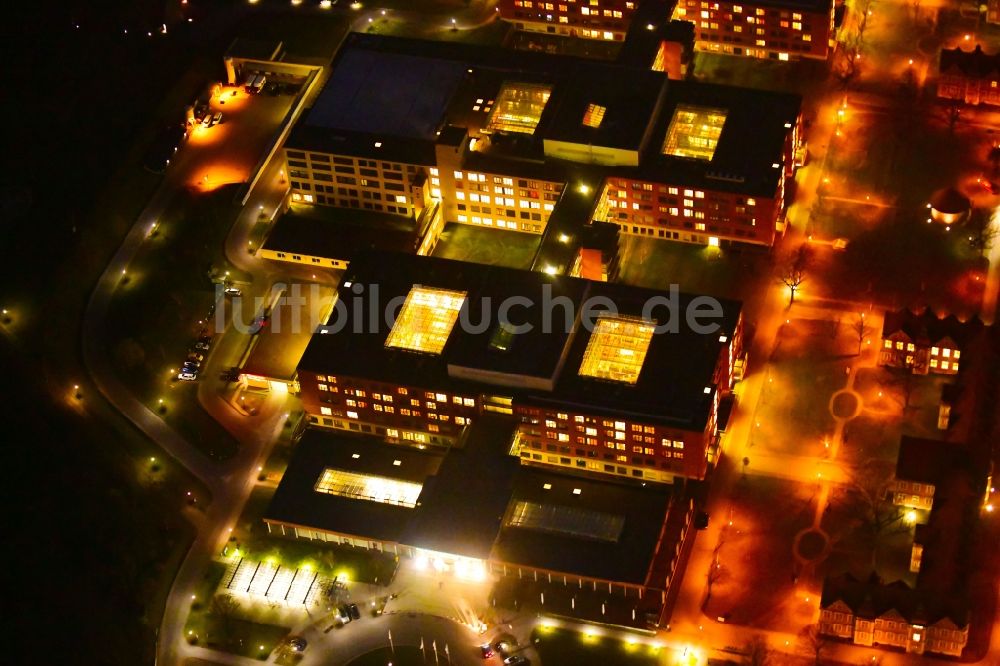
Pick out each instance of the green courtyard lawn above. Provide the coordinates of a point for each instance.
(695, 269)
(154, 315)
(562, 646)
(330, 560)
(753, 583)
(482, 245)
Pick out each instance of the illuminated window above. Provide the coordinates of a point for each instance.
(368, 487)
(617, 348)
(518, 108)
(694, 132)
(426, 320)
(594, 115)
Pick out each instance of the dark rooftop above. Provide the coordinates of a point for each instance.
(642, 511)
(340, 233)
(387, 94)
(976, 63)
(400, 93)
(670, 389)
(462, 506)
(296, 502)
(930, 460)
(467, 496)
(929, 328)
(628, 98)
(751, 143)
(871, 599)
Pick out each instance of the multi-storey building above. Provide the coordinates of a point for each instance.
(505, 139)
(972, 77)
(868, 612)
(616, 395)
(593, 19)
(942, 485)
(925, 343)
(775, 29)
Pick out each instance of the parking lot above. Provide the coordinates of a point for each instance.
(226, 152)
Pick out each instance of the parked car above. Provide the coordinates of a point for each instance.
(198, 358)
(297, 643)
(503, 647)
(515, 659)
(233, 291)
(201, 345)
(355, 612)
(191, 366)
(344, 613)
(217, 118)
(187, 376)
(486, 650)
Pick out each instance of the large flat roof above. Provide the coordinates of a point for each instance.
(399, 93)
(339, 233)
(640, 512)
(469, 494)
(539, 365)
(296, 501)
(394, 94)
(752, 139)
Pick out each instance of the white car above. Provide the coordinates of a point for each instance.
(187, 376)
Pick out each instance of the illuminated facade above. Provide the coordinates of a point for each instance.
(689, 215)
(495, 200)
(972, 77)
(774, 30)
(350, 182)
(502, 136)
(589, 400)
(925, 343)
(606, 20)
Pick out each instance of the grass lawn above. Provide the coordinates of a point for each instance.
(754, 583)
(401, 656)
(481, 245)
(329, 559)
(155, 314)
(236, 635)
(695, 269)
(560, 646)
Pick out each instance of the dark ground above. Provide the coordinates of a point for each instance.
(91, 536)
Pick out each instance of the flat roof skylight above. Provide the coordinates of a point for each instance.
(617, 348)
(694, 132)
(426, 319)
(594, 115)
(368, 487)
(518, 108)
(567, 520)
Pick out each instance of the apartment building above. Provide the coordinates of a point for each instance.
(503, 139)
(773, 29)
(926, 343)
(872, 613)
(972, 77)
(589, 400)
(606, 20)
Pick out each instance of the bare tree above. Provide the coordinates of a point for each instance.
(715, 568)
(815, 642)
(226, 608)
(793, 274)
(982, 232)
(869, 493)
(861, 330)
(756, 651)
